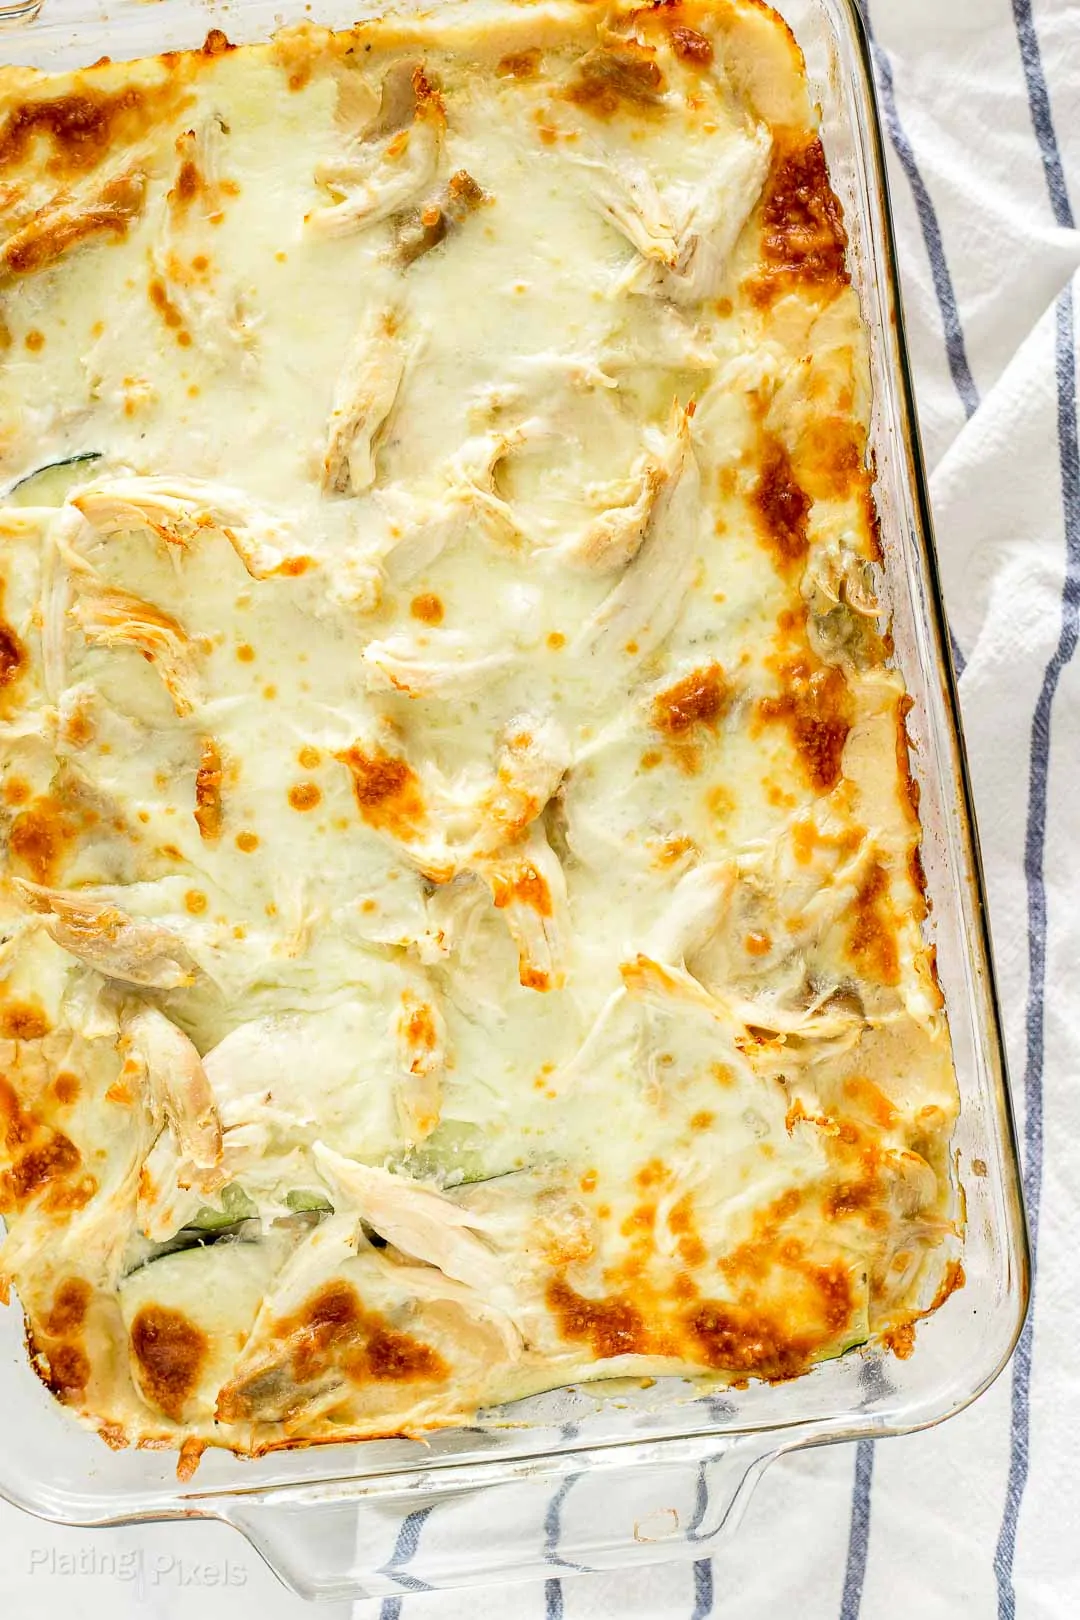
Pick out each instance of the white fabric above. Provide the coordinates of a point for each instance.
(963, 115)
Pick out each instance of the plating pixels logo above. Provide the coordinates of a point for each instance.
(134, 1566)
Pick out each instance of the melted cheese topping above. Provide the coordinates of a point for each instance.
(462, 914)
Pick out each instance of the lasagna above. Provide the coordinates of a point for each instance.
(462, 929)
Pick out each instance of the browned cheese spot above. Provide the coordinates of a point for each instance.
(872, 941)
(333, 1330)
(699, 699)
(217, 44)
(66, 1088)
(68, 1372)
(164, 304)
(611, 1326)
(68, 1311)
(387, 791)
(781, 506)
(209, 813)
(614, 78)
(304, 795)
(169, 1351)
(526, 886)
(80, 129)
(43, 834)
(23, 1021)
(427, 608)
(12, 656)
(52, 1158)
(691, 46)
(814, 703)
(802, 229)
(58, 228)
(519, 65)
(739, 1338)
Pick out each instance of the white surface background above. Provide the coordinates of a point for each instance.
(982, 101)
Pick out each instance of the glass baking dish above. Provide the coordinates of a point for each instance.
(607, 1475)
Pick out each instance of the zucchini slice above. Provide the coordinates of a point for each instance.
(49, 485)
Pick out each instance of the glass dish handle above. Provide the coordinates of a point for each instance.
(539, 1520)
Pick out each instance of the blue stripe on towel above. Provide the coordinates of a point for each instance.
(1041, 116)
(703, 1589)
(1034, 852)
(959, 661)
(408, 1538)
(553, 1525)
(859, 1534)
(955, 347)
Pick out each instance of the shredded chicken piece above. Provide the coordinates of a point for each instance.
(364, 397)
(385, 170)
(626, 195)
(666, 340)
(528, 886)
(698, 904)
(454, 912)
(417, 1219)
(642, 609)
(105, 208)
(703, 911)
(179, 1089)
(657, 981)
(806, 892)
(433, 664)
(171, 1189)
(404, 85)
(419, 531)
(710, 226)
(274, 1382)
(110, 617)
(472, 475)
(421, 1040)
(533, 757)
(402, 805)
(219, 322)
(550, 371)
(493, 831)
(184, 283)
(103, 936)
(60, 534)
(611, 541)
(180, 510)
(199, 154)
(416, 532)
(419, 230)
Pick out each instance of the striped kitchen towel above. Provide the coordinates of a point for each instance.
(980, 1517)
